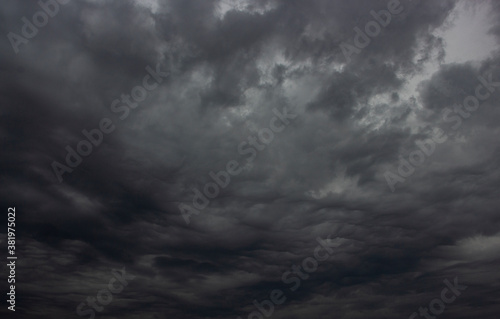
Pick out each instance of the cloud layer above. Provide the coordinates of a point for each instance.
(231, 64)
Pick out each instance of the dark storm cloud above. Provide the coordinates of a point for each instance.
(230, 64)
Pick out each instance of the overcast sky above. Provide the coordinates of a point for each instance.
(318, 123)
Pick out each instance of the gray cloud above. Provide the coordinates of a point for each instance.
(231, 63)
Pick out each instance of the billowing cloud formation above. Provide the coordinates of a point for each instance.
(384, 151)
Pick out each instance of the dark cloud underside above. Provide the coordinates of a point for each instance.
(230, 64)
